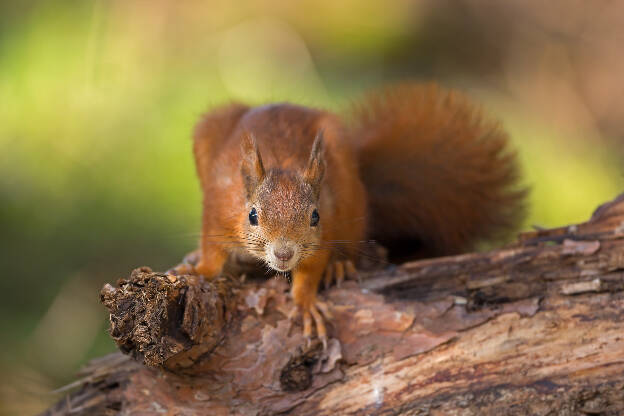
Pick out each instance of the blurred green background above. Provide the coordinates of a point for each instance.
(98, 100)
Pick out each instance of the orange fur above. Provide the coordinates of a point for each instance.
(439, 175)
(264, 158)
(416, 164)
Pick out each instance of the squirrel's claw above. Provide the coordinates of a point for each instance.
(181, 269)
(313, 315)
(188, 264)
(351, 271)
(329, 276)
(337, 271)
(307, 325)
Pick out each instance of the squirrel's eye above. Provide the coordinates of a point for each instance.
(253, 217)
(315, 219)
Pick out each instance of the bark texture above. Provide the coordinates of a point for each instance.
(533, 328)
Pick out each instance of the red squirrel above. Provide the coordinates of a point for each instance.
(414, 167)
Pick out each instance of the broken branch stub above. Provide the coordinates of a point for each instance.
(169, 321)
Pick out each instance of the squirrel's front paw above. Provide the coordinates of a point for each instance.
(313, 313)
(187, 266)
(337, 271)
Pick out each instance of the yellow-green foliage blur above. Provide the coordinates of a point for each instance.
(98, 100)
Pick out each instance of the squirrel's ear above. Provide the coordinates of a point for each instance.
(251, 166)
(316, 165)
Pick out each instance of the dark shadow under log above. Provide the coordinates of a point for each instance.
(533, 328)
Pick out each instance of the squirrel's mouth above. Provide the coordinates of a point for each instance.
(282, 256)
(282, 266)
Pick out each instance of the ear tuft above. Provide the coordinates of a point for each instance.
(316, 164)
(252, 168)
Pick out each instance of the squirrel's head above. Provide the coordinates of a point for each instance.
(283, 221)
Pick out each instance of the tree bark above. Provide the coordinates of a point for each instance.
(533, 328)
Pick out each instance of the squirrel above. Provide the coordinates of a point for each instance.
(415, 167)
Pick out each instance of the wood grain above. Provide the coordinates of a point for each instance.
(533, 328)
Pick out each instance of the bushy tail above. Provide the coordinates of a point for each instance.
(440, 177)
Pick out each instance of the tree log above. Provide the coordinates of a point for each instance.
(533, 328)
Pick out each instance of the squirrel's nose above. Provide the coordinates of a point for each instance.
(283, 253)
